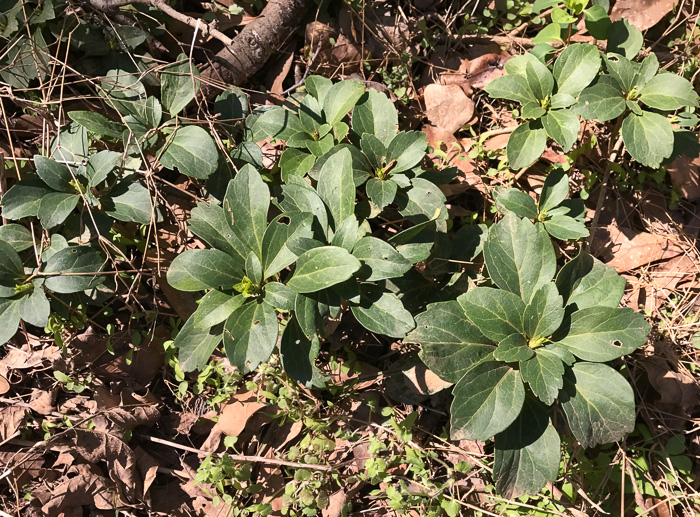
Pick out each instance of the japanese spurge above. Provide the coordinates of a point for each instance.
(520, 350)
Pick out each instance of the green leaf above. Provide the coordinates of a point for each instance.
(323, 267)
(197, 270)
(250, 335)
(375, 114)
(539, 79)
(646, 70)
(561, 17)
(511, 87)
(374, 150)
(554, 190)
(247, 202)
(307, 315)
(340, 98)
(56, 207)
(531, 110)
(297, 357)
(152, 113)
(497, 313)
(425, 202)
(70, 146)
(561, 100)
(551, 32)
(210, 223)
(379, 260)
(195, 345)
(486, 401)
(130, 202)
(17, 236)
(178, 84)
(346, 235)
(563, 127)
(72, 267)
(382, 312)
(11, 268)
(513, 349)
(301, 197)
(381, 192)
(284, 228)
(98, 124)
(668, 92)
(515, 201)
(54, 174)
(586, 282)
(525, 145)
(519, 256)
(24, 198)
(253, 268)
(604, 333)
(192, 151)
(336, 186)
(280, 124)
(100, 165)
(450, 343)
(9, 319)
(598, 403)
(545, 312)
(215, 307)
(622, 70)
(624, 39)
(648, 138)
(597, 22)
(34, 308)
(527, 454)
(602, 101)
(295, 162)
(408, 148)
(279, 296)
(544, 372)
(565, 228)
(318, 86)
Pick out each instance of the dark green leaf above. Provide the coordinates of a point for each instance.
(598, 403)
(340, 98)
(374, 150)
(9, 319)
(622, 70)
(56, 207)
(247, 202)
(250, 335)
(513, 349)
(544, 373)
(551, 32)
(450, 344)
(322, 267)
(375, 114)
(668, 92)
(336, 186)
(279, 123)
(527, 454)
(381, 192)
(178, 84)
(346, 235)
(295, 162)
(307, 315)
(586, 282)
(565, 228)
(215, 307)
(195, 346)
(253, 268)
(648, 138)
(497, 313)
(210, 223)
(192, 151)
(382, 312)
(34, 308)
(296, 353)
(519, 256)
(624, 39)
(24, 198)
(561, 100)
(380, 260)
(525, 145)
(318, 86)
(425, 202)
(130, 202)
(283, 229)
(602, 101)
(197, 270)
(604, 333)
(75, 269)
(17, 236)
(531, 110)
(516, 201)
(539, 79)
(554, 190)
(563, 127)
(54, 174)
(279, 296)
(408, 149)
(486, 401)
(98, 124)
(597, 22)
(511, 87)
(646, 70)
(100, 165)
(70, 146)
(544, 313)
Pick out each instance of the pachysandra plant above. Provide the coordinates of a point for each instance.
(594, 86)
(562, 218)
(530, 345)
(23, 291)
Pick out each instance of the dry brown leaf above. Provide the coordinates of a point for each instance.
(626, 249)
(11, 419)
(447, 106)
(336, 501)
(81, 486)
(4, 385)
(643, 14)
(235, 414)
(318, 35)
(278, 73)
(685, 176)
(27, 357)
(424, 381)
(679, 392)
(42, 401)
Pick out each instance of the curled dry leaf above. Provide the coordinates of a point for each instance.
(235, 414)
(80, 487)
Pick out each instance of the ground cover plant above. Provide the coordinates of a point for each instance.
(418, 267)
